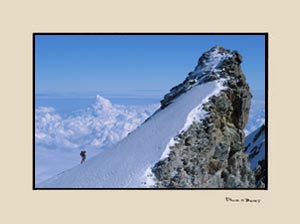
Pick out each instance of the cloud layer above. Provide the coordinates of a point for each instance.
(100, 125)
(59, 139)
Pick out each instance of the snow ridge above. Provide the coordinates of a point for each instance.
(206, 70)
(128, 163)
(125, 164)
(196, 115)
(59, 139)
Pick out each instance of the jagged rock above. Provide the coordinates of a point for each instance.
(260, 174)
(209, 154)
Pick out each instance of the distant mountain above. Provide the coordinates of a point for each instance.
(255, 148)
(256, 115)
(195, 139)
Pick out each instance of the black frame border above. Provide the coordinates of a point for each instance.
(265, 34)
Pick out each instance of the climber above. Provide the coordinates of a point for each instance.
(83, 156)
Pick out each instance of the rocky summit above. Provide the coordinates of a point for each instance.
(210, 153)
(194, 140)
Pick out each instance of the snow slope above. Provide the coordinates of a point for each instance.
(125, 164)
(256, 116)
(59, 139)
(255, 146)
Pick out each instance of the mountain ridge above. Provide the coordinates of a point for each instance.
(200, 157)
(195, 140)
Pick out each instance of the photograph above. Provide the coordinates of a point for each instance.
(150, 111)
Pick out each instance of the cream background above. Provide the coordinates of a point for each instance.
(20, 204)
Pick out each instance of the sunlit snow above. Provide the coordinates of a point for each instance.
(125, 164)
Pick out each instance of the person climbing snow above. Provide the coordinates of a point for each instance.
(83, 156)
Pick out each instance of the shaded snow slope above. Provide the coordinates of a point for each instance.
(125, 164)
(255, 146)
(256, 116)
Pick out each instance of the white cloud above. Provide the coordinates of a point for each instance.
(59, 139)
(100, 125)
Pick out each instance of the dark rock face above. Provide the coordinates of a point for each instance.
(260, 174)
(209, 154)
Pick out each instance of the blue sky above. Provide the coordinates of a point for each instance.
(133, 65)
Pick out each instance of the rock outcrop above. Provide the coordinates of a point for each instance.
(209, 154)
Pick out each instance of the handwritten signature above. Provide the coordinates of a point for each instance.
(245, 200)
